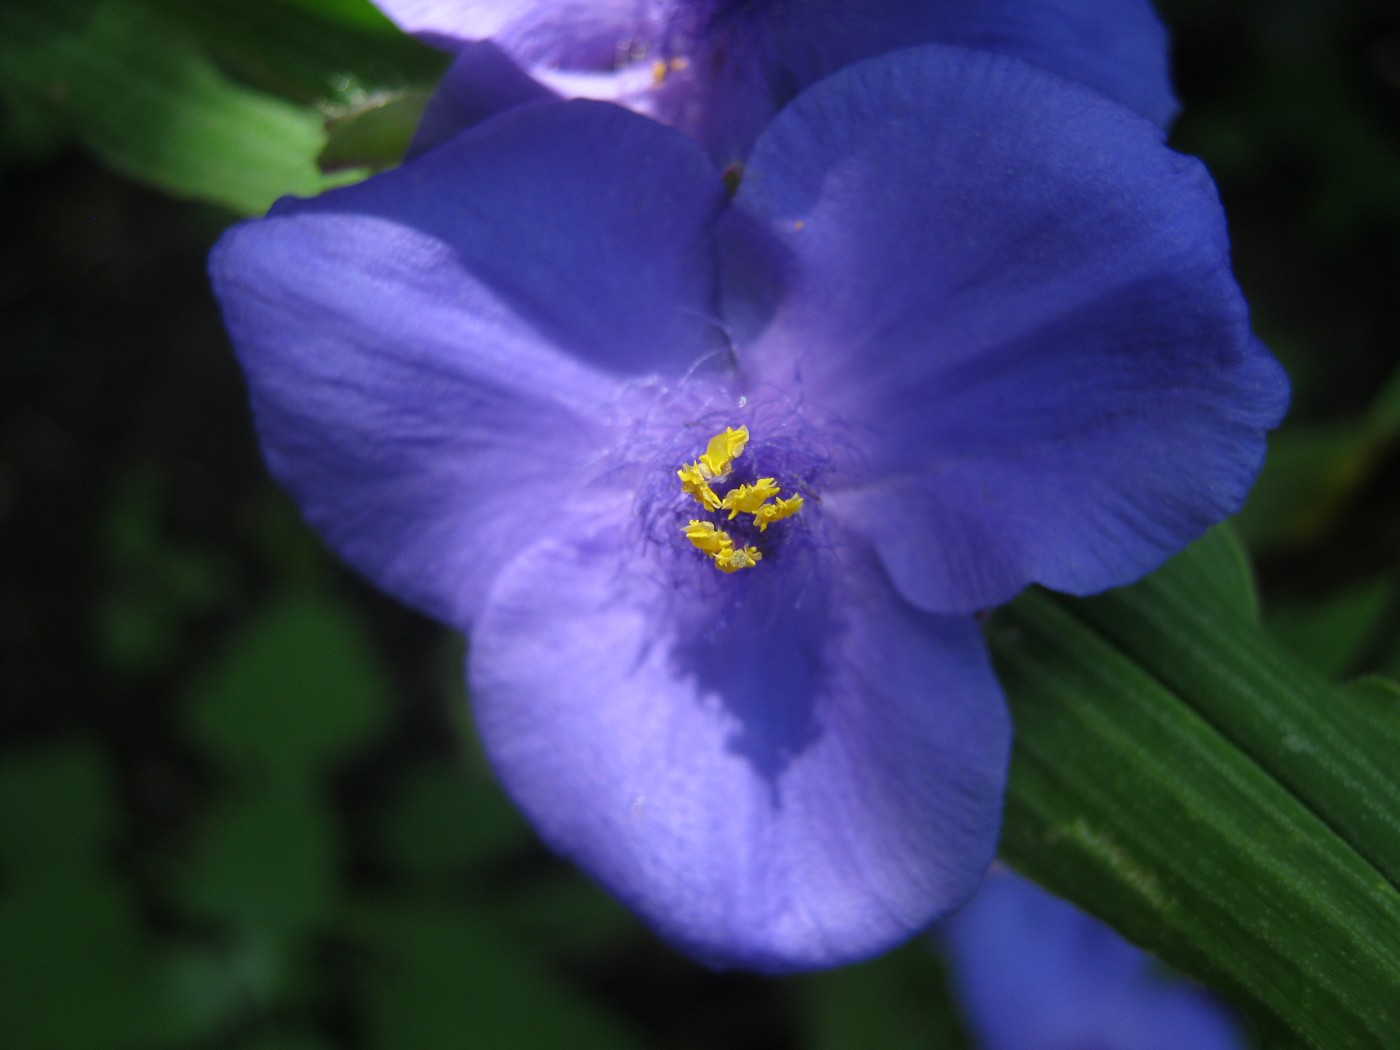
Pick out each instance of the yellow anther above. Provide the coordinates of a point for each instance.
(737, 558)
(714, 465)
(708, 538)
(660, 69)
(777, 511)
(723, 449)
(749, 498)
(694, 483)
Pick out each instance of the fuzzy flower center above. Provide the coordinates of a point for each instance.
(761, 499)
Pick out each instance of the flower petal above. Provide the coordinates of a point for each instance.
(455, 20)
(430, 353)
(734, 65)
(1025, 302)
(482, 81)
(713, 77)
(1033, 972)
(1118, 47)
(796, 776)
(578, 34)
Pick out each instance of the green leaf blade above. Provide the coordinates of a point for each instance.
(229, 105)
(139, 93)
(1275, 709)
(1128, 800)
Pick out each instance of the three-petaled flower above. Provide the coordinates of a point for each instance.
(977, 317)
(720, 69)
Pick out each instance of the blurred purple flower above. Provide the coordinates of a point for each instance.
(978, 317)
(1033, 972)
(720, 69)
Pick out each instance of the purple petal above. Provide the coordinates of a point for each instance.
(798, 775)
(482, 82)
(578, 34)
(709, 73)
(1033, 972)
(512, 52)
(1024, 302)
(434, 356)
(455, 19)
(733, 65)
(1118, 47)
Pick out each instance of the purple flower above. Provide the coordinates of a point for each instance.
(978, 318)
(720, 69)
(1033, 972)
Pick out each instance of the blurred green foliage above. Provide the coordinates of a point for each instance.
(240, 804)
(227, 103)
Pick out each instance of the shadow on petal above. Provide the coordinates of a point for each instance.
(761, 657)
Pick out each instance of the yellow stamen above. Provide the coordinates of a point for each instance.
(749, 498)
(737, 558)
(661, 69)
(776, 511)
(714, 465)
(708, 538)
(722, 451)
(694, 483)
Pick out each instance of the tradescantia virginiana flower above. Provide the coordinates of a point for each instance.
(720, 69)
(1033, 972)
(979, 319)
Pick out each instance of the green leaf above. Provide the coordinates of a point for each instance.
(444, 977)
(1374, 702)
(220, 102)
(266, 859)
(324, 56)
(1184, 778)
(1315, 470)
(28, 134)
(444, 820)
(1338, 632)
(900, 1001)
(156, 586)
(79, 967)
(297, 691)
(139, 93)
(374, 133)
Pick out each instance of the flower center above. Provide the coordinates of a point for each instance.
(762, 500)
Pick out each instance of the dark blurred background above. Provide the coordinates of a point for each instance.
(240, 801)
